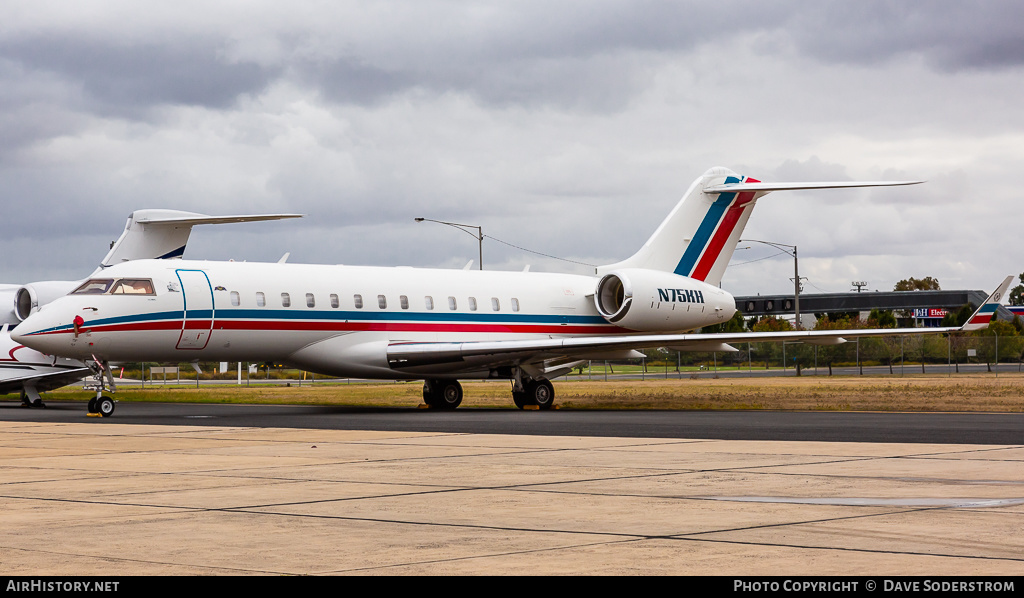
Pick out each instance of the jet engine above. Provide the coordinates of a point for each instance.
(27, 299)
(655, 301)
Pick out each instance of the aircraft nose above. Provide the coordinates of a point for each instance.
(31, 333)
(17, 335)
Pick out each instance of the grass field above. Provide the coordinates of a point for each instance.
(963, 392)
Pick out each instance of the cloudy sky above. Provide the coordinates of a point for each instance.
(568, 128)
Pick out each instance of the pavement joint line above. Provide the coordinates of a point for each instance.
(107, 557)
(486, 556)
(886, 512)
(849, 549)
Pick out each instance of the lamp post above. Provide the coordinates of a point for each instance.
(479, 235)
(791, 250)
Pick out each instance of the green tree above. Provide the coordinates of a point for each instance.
(1017, 292)
(917, 284)
(733, 324)
(1007, 342)
(959, 317)
(828, 354)
(881, 318)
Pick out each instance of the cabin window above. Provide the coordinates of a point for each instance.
(286, 300)
(515, 304)
(495, 304)
(94, 286)
(310, 300)
(429, 302)
(452, 305)
(382, 302)
(261, 299)
(235, 299)
(335, 303)
(404, 301)
(358, 300)
(472, 304)
(133, 286)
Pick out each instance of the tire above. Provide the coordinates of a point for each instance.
(92, 405)
(519, 398)
(541, 393)
(449, 395)
(442, 394)
(105, 406)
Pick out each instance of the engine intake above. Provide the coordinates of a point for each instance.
(29, 298)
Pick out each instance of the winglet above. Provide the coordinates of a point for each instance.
(987, 311)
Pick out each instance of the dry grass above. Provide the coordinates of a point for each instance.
(962, 392)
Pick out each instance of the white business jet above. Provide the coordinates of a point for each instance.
(158, 234)
(435, 325)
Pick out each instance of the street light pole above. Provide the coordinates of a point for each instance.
(791, 250)
(479, 235)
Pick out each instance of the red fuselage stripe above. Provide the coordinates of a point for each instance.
(714, 249)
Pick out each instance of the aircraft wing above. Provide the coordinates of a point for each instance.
(476, 355)
(43, 377)
(517, 352)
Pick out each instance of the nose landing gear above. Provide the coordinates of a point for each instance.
(100, 406)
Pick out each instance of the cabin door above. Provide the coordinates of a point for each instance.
(197, 295)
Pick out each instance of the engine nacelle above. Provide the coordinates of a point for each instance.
(655, 301)
(29, 298)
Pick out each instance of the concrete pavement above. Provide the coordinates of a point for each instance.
(85, 499)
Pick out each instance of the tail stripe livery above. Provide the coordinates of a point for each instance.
(722, 219)
(987, 311)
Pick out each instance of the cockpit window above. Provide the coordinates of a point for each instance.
(133, 286)
(109, 286)
(94, 286)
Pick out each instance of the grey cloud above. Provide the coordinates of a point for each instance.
(123, 78)
(950, 35)
(592, 56)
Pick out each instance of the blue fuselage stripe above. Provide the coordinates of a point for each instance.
(707, 228)
(342, 316)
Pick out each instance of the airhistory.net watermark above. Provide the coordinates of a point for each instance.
(47, 585)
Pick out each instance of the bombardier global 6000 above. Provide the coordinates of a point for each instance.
(435, 325)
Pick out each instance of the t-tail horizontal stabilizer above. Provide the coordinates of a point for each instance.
(987, 311)
(766, 187)
(163, 234)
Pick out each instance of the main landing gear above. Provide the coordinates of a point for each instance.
(534, 392)
(30, 398)
(100, 406)
(447, 394)
(442, 394)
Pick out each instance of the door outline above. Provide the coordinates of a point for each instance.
(195, 285)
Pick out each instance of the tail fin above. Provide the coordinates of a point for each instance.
(987, 311)
(162, 234)
(699, 236)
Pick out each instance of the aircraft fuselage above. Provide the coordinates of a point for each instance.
(336, 320)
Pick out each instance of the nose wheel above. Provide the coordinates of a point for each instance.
(101, 406)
